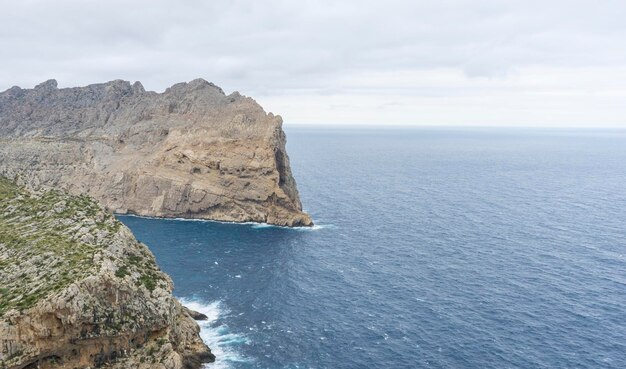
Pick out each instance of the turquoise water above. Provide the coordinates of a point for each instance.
(434, 249)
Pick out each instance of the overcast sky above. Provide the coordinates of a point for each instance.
(443, 62)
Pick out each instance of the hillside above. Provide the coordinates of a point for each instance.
(78, 290)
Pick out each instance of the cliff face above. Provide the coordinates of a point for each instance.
(190, 152)
(77, 290)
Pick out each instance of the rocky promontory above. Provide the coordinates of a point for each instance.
(191, 151)
(77, 290)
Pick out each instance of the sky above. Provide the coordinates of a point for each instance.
(435, 63)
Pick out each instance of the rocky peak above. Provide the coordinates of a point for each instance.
(194, 85)
(138, 87)
(48, 85)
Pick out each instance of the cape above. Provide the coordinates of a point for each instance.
(190, 152)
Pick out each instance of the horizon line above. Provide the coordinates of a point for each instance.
(449, 126)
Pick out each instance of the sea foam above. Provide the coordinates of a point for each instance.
(216, 335)
(255, 225)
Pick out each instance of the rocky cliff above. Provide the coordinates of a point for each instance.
(190, 152)
(77, 290)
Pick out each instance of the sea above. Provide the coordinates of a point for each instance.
(433, 248)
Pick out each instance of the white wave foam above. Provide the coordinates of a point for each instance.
(255, 225)
(187, 219)
(216, 335)
(315, 227)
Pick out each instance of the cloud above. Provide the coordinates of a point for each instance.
(447, 54)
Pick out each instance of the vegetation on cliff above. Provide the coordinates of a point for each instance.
(60, 237)
(77, 289)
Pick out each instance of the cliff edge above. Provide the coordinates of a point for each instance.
(190, 152)
(77, 290)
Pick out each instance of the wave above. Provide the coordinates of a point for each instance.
(217, 335)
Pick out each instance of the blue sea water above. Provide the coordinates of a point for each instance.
(435, 248)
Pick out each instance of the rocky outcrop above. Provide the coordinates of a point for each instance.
(190, 152)
(78, 291)
(195, 314)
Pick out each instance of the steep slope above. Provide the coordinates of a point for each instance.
(77, 290)
(191, 151)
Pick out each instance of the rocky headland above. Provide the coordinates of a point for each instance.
(191, 151)
(77, 290)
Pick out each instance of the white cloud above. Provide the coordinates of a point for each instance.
(486, 62)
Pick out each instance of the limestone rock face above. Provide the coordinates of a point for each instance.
(190, 152)
(78, 291)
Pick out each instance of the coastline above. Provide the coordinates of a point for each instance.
(254, 224)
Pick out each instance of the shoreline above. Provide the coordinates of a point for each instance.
(257, 224)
